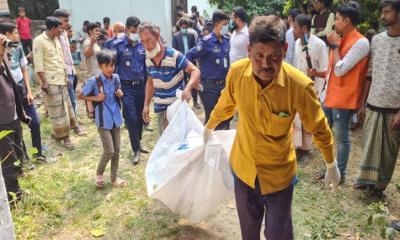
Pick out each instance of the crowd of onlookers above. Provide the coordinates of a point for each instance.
(129, 65)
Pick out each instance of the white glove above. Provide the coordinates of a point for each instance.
(332, 174)
(206, 135)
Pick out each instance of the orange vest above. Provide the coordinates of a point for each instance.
(345, 92)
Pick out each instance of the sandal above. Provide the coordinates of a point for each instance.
(362, 187)
(100, 181)
(320, 176)
(119, 183)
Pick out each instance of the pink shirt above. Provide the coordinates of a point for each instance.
(69, 63)
(24, 28)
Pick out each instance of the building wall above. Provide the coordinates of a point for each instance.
(157, 11)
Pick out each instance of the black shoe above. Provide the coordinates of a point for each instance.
(136, 158)
(395, 225)
(342, 180)
(143, 150)
(40, 157)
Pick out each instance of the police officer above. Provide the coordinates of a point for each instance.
(212, 51)
(119, 32)
(131, 69)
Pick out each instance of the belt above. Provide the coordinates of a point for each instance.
(131, 82)
(213, 81)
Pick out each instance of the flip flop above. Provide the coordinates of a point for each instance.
(119, 183)
(100, 181)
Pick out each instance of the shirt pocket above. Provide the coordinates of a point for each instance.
(279, 126)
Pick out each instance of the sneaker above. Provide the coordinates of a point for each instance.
(68, 144)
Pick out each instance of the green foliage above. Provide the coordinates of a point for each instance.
(380, 217)
(253, 7)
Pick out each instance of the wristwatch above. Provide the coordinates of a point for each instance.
(333, 46)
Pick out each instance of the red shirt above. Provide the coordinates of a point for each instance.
(24, 28)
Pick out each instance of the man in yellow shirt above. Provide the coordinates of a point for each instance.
(267, 94)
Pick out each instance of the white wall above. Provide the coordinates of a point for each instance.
(157, 11)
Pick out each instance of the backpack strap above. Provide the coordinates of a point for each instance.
(100, 86)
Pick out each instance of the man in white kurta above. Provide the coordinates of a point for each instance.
(316, 51)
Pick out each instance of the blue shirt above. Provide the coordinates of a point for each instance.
(167, 77)
(130, 59)
(111, 111)
(213, 56)
(109, 43)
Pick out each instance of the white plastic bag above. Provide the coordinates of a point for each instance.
(191, 179)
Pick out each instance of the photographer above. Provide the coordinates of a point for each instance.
(11, 149)
(91, 46)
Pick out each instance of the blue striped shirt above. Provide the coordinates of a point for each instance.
(167, 77)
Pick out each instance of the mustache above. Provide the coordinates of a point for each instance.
(267, 70)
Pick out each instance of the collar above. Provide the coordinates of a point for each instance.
(215, 38)
(104, 79)
(243, 30)
(248, 72)
(352, 32)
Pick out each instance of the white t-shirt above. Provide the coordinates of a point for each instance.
(238, 44)
(318, 55)
(92, 68)
(17, 61)
(385, 71)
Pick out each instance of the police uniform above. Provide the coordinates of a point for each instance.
(213, 56)
(131, 69)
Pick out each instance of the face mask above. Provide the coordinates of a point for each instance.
(184, 31)
(225, 30)
(232, 24)
(134, 37)
(153, 53)
(120, 35)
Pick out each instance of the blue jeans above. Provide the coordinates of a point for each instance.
(71, 92)
(340, 120)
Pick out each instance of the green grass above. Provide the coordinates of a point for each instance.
(63, 202)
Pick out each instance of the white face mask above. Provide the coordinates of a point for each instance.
(134, 37)
(153, 53)
(120, 35)
(224, 30)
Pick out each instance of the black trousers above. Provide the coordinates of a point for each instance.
(27, 45)
(11, 151)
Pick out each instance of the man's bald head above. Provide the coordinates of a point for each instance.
(119, 27)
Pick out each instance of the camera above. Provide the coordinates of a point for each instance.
(7, 43)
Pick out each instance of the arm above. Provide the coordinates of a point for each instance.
(315, 122)
(323, 61)
(86, 91)
(175, 42)
(27, 85)
(38, 57)
(328, 27)
(147, 100)
(194, 81)
(225, 108)
(196, 52)
(356, 53)
(88, 51)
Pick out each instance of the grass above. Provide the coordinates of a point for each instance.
(63, 202)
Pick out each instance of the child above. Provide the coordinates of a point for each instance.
(105, 90)
(24, 30)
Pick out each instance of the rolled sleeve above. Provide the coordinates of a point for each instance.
(38, 56)
(356, 53)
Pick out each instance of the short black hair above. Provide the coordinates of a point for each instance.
(350, 10)
(21, 9)
(393, 3)
(184, 21)
(293, 13)
(240, 13)
(7, 27)
(106, 20)
(132, 22)
(106, 57)
(219, 16)
(86, 23)
(266, 29)
(61, 13)
(179, 8)
(194, 8)
(303, 20)
(52, 22)
(92, 26)
(327, 3)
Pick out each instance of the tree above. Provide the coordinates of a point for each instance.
(35, 9)
(253, 7)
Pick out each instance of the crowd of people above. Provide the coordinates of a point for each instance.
(288, 83)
